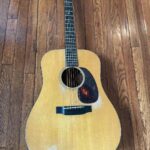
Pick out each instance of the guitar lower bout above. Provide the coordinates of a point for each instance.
(72, 111)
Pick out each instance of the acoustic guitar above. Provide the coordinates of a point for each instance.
(72, 111)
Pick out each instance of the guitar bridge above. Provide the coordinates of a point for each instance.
(73, 110)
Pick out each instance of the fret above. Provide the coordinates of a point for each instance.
(68, 9)
(70, 52)
(72, 62)
(69, 55)
(69, 23)
(73, 53)
(68, 1)
(71, 59)
(71, 49)
(69, 15)
(70, 39)
(70, 35)
(68, 43)
(68, 5)
(70, 30)
(67, 18)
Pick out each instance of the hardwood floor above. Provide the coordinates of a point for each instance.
(117, 30)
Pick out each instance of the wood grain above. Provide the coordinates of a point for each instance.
(4, 5)
(5, 94)
(31, 43)
(13, 9)
(9, 45)
(118, 31)
(17, 79)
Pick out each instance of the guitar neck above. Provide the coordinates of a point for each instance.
(70, 36)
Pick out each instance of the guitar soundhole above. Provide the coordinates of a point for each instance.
(72, 77)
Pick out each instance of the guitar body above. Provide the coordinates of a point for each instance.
(46, 129)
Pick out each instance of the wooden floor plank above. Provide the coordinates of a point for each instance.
(60, 24)
(31, 45)
(144, 54)
(130, 76)
(98, 26)
(120, 78)
(105, 41)
(146, 11)
(4, 5)
(5, 87)
(13, 129)
(79, 23)
(89, 25)
(13, 9)
(144, 41)
(51, 29)
(8, 52)
(2, 148)
(143, 98)
(132, 23)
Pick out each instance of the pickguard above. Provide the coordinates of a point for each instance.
(88, 92)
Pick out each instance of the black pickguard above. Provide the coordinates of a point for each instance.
(88, 92)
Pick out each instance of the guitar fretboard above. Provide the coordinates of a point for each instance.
(70, 37)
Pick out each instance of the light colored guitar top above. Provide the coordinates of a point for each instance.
(48, 130)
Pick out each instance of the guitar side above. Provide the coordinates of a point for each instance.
(47, 130)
